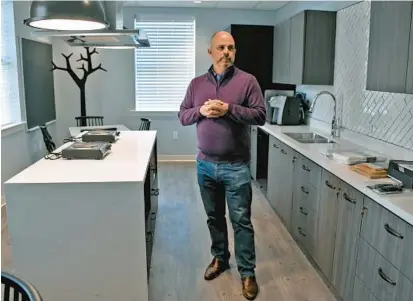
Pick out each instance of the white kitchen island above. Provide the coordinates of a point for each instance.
(83, 229)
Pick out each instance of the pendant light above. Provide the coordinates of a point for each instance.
(67, 15)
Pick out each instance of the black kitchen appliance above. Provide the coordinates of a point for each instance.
(284, 110)
(401, 171)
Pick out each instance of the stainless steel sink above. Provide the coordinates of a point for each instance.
(309, 137)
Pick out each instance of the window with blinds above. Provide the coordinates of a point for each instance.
(164, 70)
(9, 87)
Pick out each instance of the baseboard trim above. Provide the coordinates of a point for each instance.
(178, 158)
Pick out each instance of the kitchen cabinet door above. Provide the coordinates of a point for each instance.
(390, 235)
(361, 292)
(327, 222)
(390, 24)
(287, 158)
(254, 144)
(384, 281)
(312, 48)
(281, 67)
(274, 173)
(409, 77)
(350, 206)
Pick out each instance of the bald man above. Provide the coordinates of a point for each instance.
(223, 103)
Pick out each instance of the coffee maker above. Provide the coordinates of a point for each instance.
(283, 107)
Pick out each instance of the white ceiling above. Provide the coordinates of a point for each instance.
(259, 5)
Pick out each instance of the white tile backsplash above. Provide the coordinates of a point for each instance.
(384, 116)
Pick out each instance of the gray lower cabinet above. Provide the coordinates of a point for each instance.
(391, 236)
(388, 55)
(287, 162)
(327, 222)
(274, 173)
(361, 292)
(281, 162)
(306, 177)
(384, 281)
(350, 208)
(363, 250)
(254, 145)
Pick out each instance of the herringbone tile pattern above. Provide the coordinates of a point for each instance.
(384, 116)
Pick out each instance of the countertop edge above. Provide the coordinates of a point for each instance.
(321, 160)
(15, 179)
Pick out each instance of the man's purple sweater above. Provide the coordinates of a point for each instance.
(227, 138)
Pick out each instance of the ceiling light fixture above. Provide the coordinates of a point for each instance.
(67, 15)
(197, 2)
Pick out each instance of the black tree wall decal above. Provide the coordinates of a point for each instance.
(81, 82)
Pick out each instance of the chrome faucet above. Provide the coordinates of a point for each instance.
(335, 128)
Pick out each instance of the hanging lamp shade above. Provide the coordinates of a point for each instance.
(67, 15)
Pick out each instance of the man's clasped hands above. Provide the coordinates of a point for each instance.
(214, 108)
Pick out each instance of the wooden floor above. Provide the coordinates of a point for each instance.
(182, 250)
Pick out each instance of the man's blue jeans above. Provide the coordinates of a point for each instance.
(232, 181)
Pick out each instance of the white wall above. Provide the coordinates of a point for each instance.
(20, 148)
(112, 94)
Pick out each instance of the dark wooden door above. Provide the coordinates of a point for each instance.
(254, 44)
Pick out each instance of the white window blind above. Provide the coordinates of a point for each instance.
(9, 87)
(164, 70)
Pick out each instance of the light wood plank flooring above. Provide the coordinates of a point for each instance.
(182, 250)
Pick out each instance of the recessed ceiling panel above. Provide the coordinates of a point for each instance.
(270, 5)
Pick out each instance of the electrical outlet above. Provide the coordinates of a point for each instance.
(175, 134)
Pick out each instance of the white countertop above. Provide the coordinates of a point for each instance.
(399, 204)
(127, 162)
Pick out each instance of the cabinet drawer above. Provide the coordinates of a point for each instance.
(307, 194)
(361, 292)
(389, 235)
(304, 226)
(310, 172)
(384, 281)
(305, 239)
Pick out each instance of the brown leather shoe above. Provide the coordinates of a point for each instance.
(215, 268)
(249, 287)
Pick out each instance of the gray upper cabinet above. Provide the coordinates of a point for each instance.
(282, 35)
(350, 207)
(311, 44)
(388, 56)
(409, 78)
